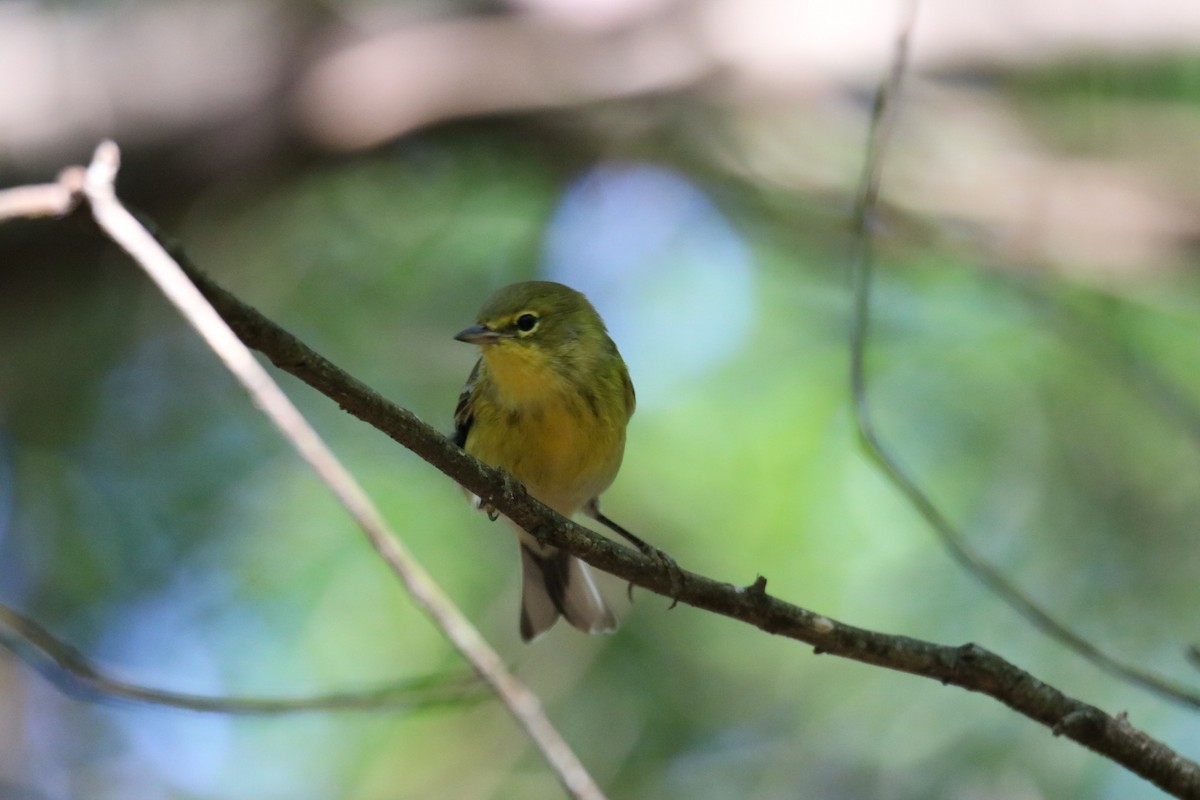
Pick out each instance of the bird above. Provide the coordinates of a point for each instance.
(548, 401)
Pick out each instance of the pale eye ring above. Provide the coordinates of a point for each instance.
(527, 322)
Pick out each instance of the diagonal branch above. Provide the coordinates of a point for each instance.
(969, 667)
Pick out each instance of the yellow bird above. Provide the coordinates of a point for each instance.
(549, 401)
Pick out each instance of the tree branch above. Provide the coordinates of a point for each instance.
(969, 667)
(74, 675)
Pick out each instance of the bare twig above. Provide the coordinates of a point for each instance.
(952, 540)
(71, 672)
(44, 199)
(126, 231)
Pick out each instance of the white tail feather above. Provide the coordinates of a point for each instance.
(555, 583)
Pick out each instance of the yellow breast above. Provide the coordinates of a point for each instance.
(563, 441)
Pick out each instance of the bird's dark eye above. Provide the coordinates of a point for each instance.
(527, 322)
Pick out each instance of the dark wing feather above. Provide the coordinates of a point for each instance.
(464, 414)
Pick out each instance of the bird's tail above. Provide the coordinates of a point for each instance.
(556, 583)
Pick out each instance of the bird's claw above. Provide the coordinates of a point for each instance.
(675, 574)
(670, 566)
(513, 489)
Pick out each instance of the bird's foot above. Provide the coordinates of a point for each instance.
(668, 565)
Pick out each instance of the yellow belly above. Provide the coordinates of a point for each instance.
(562, 451)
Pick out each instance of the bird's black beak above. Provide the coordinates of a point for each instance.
(478, 334)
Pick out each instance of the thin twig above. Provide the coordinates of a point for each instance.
(73, 674)
(44, 199)
(951, 538)
(127, 232)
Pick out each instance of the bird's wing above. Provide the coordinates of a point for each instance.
(630, 396)
(464, 413)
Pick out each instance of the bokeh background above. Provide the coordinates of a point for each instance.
(366, 174)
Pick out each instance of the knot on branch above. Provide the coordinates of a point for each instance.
(758, 588)
(962, 660)
(970, 654)
(1079, 721)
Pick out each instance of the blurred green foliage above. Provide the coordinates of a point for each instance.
(153, 519)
